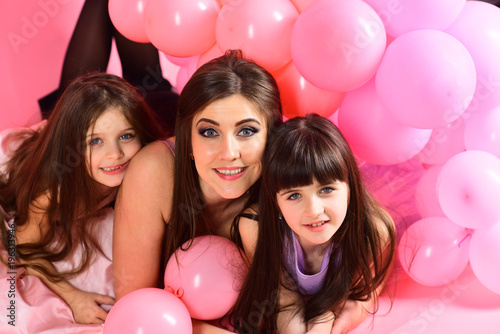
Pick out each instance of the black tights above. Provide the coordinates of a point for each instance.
(89, 50)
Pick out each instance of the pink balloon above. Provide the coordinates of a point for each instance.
(261, 28)
(402, 16)
(209, 274)
(426, 79)
(373, 133)
(301, 5)
(148, 311)
(299, 97)
(210, 54)
(183, 61)
(434, 251)
(426, 194)
(128, 18)
(484, 256)
(444, 143)
(182, 28)
(478, 29)
(469, 189)
(338, 45)
(482, 132)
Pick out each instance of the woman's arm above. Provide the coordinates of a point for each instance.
(142, 209)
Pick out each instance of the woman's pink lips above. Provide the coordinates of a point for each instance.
(230, 177)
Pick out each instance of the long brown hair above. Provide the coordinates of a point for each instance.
(50, 163)
(303, 150)
(220, 78)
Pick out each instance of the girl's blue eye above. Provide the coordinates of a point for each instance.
(208, 132)
(127, 136)
(248, 131)
(326, 190)
(95, 141)
(294, 196)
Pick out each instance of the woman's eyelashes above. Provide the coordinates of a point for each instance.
(247, 131)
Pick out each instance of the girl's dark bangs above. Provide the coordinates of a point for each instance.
(307, 160)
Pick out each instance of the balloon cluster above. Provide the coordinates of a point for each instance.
(202, 281)
(405, 79)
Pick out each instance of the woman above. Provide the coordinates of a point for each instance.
(226, 112)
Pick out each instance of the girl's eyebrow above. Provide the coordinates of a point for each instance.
(98, 133)
(289, 191)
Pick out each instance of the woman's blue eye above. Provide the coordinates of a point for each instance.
(208, 132)
(95, 141)
(294, 196)
(248, 131)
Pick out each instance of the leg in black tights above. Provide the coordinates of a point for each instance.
(89, 50)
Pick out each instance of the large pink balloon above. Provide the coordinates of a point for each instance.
(426, 194)
(181, 28)
(299, 97)
(434, 251)
(485, 256)
(128, 18)
(373, 133)
(209, 274)
(478, 29)
(261, 28)
(426, 79)
(148, 311)
(482, 132)
(402, 16)
(469, 189)
(444, 143)
(337, 45)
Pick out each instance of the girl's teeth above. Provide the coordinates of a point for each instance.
(230, 171)
(316, 225)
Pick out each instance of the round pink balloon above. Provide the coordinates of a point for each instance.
(210, 54)
(426, 194)
(402, 16)
(469, 189)
(485, 256)
(209, 273)
(261, 28)
(128, 18)
(148, 311)
(478, 29)
(444, 143)
(338, 45)
(301, 5)
(299, 97)
(434, 251)
(482, 132)
(182, 28)
(373, 133)
(426, 79)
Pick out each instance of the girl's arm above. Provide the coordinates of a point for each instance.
(84, 305)
(142, 209)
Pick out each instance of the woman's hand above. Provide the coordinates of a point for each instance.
(351, 316)
(322, 324)
(86, 306)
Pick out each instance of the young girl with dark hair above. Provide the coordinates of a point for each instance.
(62, 179)
(322, 247)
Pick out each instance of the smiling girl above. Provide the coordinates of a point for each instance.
(62, 179)
(322, 247)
